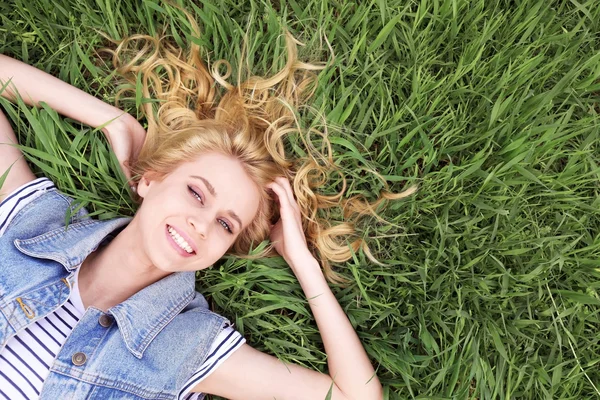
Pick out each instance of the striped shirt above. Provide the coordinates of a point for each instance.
(26, 359)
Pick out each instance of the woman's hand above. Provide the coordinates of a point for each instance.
(126, 137)
(287, 234)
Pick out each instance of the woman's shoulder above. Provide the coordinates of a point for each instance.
(22, 197)
(40, 204)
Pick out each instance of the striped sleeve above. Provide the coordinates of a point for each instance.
(19, 198)
(228, 341)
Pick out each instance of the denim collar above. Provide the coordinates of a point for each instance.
(139, 318)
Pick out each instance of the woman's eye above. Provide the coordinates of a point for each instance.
(225, 225)
(196, 195)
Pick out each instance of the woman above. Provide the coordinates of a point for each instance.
(107, 309)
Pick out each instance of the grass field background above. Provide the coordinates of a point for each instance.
(489, 283)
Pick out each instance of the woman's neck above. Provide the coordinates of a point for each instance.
(115, 272)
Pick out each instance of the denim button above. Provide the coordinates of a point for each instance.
(79, 358)
(105, 320)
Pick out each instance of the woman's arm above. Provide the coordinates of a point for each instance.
(14, 171)
(250, 374)
(34, 86)
(124, 133)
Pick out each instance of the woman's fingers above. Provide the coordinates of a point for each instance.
(120, 147)
(285, 184)
(126, 137)
(288, 234)
(289, 191)
(284, 201)
(288, 208)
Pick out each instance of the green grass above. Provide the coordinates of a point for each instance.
(489, 286)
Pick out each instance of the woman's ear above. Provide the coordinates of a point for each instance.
(144, 184)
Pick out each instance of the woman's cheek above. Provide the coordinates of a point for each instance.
(176, 204)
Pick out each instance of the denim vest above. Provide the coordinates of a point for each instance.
(146, 347)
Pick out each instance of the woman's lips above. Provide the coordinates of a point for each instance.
(186, 238)
(174, 244)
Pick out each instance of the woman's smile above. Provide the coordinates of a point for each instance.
(183, 246)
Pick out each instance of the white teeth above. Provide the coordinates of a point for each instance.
(180, 241)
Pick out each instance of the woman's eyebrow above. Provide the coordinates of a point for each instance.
(212, 191)
(210, 187)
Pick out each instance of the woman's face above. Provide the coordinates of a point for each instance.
(188, 220)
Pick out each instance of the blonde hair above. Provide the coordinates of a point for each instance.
(249, 122)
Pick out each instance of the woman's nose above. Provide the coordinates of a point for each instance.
(200, 226)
